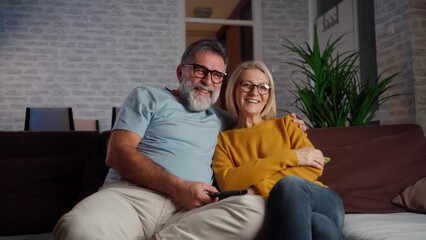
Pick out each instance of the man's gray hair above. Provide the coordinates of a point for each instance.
(202, 45)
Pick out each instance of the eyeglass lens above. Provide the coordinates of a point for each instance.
(201, 71)
(261, 88)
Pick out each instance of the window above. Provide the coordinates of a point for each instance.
(356, 19)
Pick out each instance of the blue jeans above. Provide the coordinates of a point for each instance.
(298, 209)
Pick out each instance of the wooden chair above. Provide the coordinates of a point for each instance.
(49, 119)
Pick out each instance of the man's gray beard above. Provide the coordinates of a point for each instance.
(193, 101)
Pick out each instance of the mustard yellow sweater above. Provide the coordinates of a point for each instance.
(260, 156)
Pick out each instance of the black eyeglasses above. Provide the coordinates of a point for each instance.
(247, 87)
(200, 72)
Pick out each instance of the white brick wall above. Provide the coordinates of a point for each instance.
(395, 54)
(89, 54)
(288, 18)
(419, 59)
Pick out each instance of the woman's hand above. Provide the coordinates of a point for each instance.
(310, 157)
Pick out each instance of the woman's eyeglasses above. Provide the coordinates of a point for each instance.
(247, 87)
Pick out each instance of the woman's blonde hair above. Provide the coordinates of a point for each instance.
(270, 109)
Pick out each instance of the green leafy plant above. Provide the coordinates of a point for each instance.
(330, 93)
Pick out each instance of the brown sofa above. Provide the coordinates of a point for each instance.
(370, 168)
(43, 174)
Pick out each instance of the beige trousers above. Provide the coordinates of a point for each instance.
(122, 210)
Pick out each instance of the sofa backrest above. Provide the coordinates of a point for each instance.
(43, 175)
(370, 165)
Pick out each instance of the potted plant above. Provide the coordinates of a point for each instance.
(330, 92)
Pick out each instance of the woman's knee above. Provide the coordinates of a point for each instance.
(289, 184)
(340, 215)
(323, 228)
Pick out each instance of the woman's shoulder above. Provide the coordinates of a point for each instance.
(285, 123)
(282, 120)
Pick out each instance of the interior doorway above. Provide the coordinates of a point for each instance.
(230, 22)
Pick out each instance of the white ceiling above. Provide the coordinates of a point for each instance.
(221, 9)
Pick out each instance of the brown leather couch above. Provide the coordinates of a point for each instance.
(370, 166)
(44, 174)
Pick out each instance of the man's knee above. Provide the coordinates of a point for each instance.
(253, 203)
(72, 226)
(252, 207)
(249, 210)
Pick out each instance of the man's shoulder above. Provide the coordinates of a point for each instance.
(227, 121)
(150, 93)
(150, 90)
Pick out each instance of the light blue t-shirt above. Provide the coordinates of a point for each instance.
(181, 141)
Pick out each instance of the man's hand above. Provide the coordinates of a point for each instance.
(194, 194)
(252, 191)
(300, 123)
(124, 158)
(309, 156)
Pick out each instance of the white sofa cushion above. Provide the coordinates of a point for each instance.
(386, 226)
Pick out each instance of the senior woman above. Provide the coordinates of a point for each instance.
(272, 157)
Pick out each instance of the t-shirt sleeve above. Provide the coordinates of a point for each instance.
(136, 111)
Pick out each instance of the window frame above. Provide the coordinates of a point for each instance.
(255, 23)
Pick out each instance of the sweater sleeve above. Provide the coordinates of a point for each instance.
(265, 186)
(309, 173)
(231, 176)
(298, 140)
